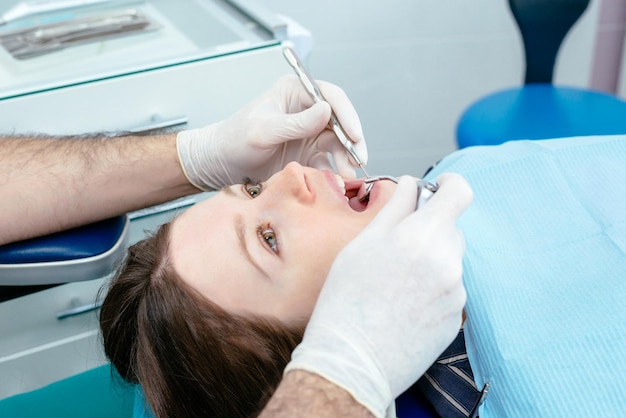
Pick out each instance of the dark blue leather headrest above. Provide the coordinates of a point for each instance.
(81, 242)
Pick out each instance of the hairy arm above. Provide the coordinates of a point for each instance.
(304, 394)
(52, 184)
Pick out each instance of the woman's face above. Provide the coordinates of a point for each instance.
(266, 248)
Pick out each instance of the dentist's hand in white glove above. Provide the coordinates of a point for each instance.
(393, 299)
(281, 126)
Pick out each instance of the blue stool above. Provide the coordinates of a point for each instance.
(539, 109)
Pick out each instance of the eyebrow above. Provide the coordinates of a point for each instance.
(241, 235)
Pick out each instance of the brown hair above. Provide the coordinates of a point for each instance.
(191, 357)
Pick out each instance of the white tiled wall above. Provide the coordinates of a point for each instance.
(411, 66)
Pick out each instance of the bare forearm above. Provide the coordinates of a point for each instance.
(303, 394)
(51, 184)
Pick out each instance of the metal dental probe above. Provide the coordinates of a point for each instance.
(311, 87)
(425, 189)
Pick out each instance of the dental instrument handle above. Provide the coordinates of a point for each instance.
(35, 7)
(311, 87)
(425, 191)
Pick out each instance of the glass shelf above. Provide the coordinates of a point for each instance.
(183, 31)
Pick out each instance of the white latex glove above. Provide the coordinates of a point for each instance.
(393, 299)
(281, 126)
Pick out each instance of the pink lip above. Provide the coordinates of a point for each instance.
(330, 177)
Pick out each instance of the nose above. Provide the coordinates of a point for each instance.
(291, 182)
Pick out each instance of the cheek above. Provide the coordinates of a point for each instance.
(299, 292)
(324, 240)
(318, 260)
(325, 245)
(304, 279)
(309, 292)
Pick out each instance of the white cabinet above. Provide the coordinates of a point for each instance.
(202, 91)
(37, 348)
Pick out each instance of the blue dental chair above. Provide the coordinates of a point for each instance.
(85, 253)
(539, 109)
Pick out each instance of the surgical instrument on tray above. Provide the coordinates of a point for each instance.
(311, 87)
(35, 7)
(425, 189)
(36, 41)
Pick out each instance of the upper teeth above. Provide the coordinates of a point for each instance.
(341, 183)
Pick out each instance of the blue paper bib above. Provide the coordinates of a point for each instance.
(545, 272)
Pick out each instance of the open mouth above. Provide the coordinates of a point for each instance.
(351, 190)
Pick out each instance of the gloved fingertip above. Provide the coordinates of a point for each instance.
(345, 168)
(361, 150)
(347, 172)
(406, 191)
(454, 196)
(314, 119)
(462, 189)
(401, 205)
(321, 111)
(323, 105)
(406, 183)
(320, 162)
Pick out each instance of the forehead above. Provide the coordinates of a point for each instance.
(194, 231)
(197, 222)
(204, 248)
